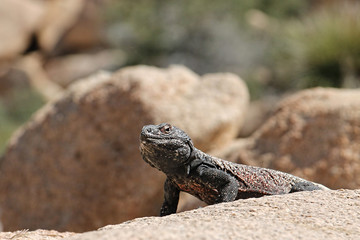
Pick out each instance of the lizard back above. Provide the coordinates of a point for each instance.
(255, 181)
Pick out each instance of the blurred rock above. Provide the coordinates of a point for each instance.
(313, 134)
(18, 21)
(76, 165)
(32, 66)
(88, 30)
(11, 78)
(60, 16)
(71, 25)
(257, 19)
(256, 115)
(67, 69)
(57, 26)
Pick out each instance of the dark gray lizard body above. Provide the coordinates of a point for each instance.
(213, 180)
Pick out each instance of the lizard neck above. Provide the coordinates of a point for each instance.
(195, 159)
(188, 164)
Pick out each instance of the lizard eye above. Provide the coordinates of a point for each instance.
(166, 129)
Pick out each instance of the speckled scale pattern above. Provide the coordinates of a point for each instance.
(213, 180)
(254, 179)
(198, 188)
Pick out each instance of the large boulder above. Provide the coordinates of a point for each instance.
(314, 134)
(303, 215)
(76, 165)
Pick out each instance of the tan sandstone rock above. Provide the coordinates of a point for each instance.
(314, 134)
(57, 25)
(258, 112)
(18, 21)
(59, 17)
(69, 25)
(34, 235)
(304, 215)
(70, 68)
(76, 165)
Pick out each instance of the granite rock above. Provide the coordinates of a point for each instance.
(76, 166)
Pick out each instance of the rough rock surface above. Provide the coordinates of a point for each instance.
(34, 235)
(76, 165)
(303, 215)
(314, 134)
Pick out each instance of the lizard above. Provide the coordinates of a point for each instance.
(213, 180)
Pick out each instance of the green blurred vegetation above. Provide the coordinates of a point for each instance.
(276, 46)
(321, 49)
(204, 37)
(15, 109)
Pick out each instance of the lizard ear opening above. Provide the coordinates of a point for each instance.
(191, 145)
(192, 148)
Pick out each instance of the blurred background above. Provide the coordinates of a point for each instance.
(276, 46)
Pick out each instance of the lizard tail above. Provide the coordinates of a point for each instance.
(303, 185)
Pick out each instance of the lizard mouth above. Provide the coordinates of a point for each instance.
(150, 138)
(154, 141)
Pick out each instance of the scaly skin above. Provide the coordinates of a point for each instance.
(212, 180)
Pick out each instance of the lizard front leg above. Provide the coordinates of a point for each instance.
(226, 185)
(171, 198)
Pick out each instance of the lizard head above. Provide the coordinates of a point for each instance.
(165, 147)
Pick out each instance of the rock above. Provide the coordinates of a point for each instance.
(32, 66)
(314, 134)
(65, 70)
(25, 72)
(56, 25)
(60, 16)
(11, 78)
(223, 95)
(69, 25)
(88, 30)
(18, 21)
(35, 235)
(258, 112)
(76, 165)
(303, 215)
